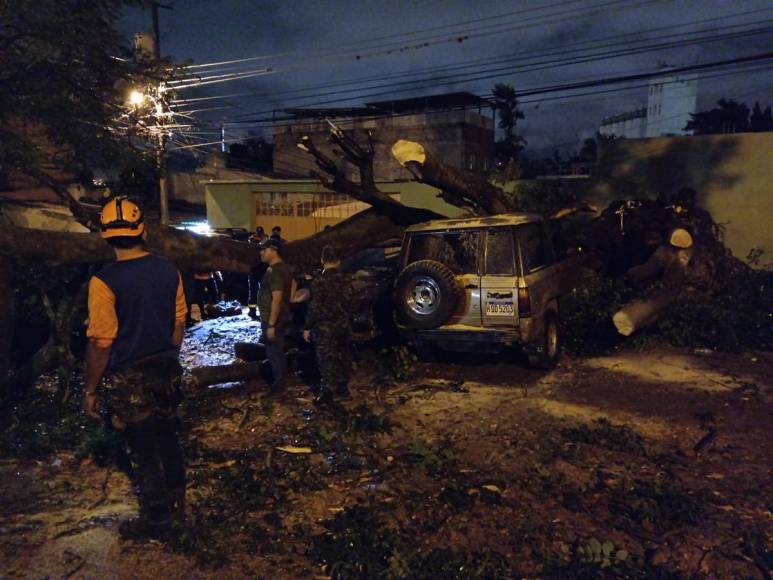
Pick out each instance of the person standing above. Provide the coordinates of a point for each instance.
(137, 316)
(276, 234)
(255, 275)
(274, 305)
(328, 325)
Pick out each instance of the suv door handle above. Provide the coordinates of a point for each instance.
(471, 287)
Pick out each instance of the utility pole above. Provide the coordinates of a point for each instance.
(163, 193)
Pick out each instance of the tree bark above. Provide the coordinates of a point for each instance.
(214, 375)
(192, 252)
(458, 187)
(641, 313)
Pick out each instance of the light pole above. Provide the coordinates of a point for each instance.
(139, 100)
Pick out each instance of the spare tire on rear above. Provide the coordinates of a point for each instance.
(426, 294)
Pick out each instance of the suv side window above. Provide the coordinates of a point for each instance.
(532, 245)
(500, 259)
(458, 250)
(557, 238)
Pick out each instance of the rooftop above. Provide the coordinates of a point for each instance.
(444, 102)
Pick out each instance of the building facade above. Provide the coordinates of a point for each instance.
(454, 127)
(671, 99)
(302, 207)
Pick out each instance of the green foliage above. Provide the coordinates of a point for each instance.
(586, 315)
(604, 555)
(63, 68)
(506, 104)
(543, 197)
(738, 316)
(36, 425)
(435, 458)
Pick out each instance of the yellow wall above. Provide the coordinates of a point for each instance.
(232, 204)
(733, 175)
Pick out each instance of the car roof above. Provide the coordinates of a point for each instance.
(505, 219)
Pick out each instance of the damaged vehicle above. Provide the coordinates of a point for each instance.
(484, 284)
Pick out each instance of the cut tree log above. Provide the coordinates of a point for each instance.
(457, 187)
(641, 313)
(215, 375)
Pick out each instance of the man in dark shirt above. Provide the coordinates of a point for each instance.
(274, 306)
(136, 321)
(255, 275)
(328, 323)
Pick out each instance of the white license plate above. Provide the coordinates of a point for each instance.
(500, 309)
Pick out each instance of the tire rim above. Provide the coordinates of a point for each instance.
(424, 298)
(551, 340)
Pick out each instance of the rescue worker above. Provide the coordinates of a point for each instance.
(255, 275)
(276, 234)
(328, 324)
(276, 288)
(136, 322)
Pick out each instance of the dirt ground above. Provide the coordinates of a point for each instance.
(650, 464)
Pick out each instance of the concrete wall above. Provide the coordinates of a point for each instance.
(733, 175)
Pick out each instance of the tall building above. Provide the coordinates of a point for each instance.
(452, 126)
(671, 99)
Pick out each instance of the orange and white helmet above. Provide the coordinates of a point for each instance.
(121, 217)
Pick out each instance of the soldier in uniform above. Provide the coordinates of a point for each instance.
(328, 325)
(136, 322)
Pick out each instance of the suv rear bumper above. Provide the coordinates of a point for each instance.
(506, 337)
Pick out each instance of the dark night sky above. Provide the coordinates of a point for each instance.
(293, 33)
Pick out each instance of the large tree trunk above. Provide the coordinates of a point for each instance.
(193, 252)
(457, 187)
(215, 375)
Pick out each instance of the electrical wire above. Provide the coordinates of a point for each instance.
(605, 42)
(525, 101)
(398, 36)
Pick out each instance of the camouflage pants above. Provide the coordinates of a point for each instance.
(334, 360)
(148, 387)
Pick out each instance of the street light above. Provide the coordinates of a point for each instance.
(136, 98)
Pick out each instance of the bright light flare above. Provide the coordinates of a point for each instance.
(136, 98)
(201, 228)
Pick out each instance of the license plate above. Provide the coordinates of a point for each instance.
(500, 309)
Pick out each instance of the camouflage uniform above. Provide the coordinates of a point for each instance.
(147, 387)
(328, 320)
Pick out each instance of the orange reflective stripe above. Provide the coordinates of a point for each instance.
(103, 320)
(181, 307)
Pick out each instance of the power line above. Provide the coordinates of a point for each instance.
(314, 59)
(476, 76)
(366, 41)
(604, 42)
(269, 123)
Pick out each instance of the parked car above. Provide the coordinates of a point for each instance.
(483, 284)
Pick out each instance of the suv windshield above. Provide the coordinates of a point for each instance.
(457, 250)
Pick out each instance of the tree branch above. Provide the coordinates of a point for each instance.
(459, 188)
